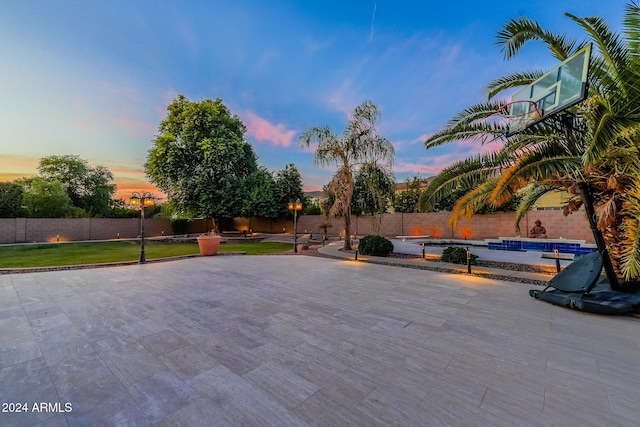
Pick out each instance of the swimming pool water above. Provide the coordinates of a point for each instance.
(520, 245)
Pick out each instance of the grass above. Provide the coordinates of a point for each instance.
(54, 255)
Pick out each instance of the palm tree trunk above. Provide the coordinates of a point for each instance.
(347, 230)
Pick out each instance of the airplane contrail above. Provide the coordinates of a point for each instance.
(373, 19)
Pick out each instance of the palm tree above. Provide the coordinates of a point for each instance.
(359, 144)
(599, 161)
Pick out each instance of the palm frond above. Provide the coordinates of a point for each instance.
(519, 31)
(529, 198)
(465, 173)
(510, 81)
(471, 202)
(630, 258)
(612, 48)
(507, 185)
(631, 22)
(608, 129)
(471, 124)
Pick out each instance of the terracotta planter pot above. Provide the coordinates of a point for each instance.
(208, 245)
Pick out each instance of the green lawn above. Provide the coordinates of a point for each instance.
(51, 255)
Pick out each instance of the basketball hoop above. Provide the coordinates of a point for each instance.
(519, 115)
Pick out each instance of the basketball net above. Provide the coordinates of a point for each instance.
(519, 115)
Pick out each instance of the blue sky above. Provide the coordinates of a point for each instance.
(94, 78)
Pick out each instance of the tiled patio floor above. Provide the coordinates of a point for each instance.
(296, 340)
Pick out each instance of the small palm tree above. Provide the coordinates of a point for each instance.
(603, 154)
(359, 144)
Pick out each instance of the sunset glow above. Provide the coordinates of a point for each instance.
(94, 79)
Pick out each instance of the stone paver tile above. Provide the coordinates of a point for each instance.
(118, 339)
(514, 405)
(44, 323)
(327, 409)
(240, 401)
(162, 342)
(88, 384)
(287, 387)
(68, 346)
(391, 406)
(624, 406)
(43, 314)
(187, 362)
(26, 384)
(237, 360)
(200, 413)
(132, 362)
(125, 414)
(161, 394)
(57, 420)
(15, 330)
(19, 352)
(10, 310)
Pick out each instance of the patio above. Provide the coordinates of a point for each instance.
(284, 340)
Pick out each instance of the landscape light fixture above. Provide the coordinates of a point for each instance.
(295, 207)
(138, 201)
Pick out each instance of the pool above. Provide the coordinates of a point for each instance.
(577, 248)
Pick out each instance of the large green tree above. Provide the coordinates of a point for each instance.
(603, 154)
(262, 195)
(289, 183)
(199, 156)
(373, 192)
(11, 200)
(358, 145)
(45, 198)
(89, 188)
(406, 201)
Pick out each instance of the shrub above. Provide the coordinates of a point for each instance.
(179, 225)
(457, 255)
(375, 246)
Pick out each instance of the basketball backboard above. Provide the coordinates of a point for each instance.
(560, 88)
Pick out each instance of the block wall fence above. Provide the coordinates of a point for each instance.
(19, 230)
(575, 226)
(434, 224)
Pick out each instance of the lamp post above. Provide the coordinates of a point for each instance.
(295, 207)
(141, 201)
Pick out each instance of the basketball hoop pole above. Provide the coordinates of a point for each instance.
(612, 277)
(587, 202)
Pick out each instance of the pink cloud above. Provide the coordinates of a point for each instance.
(264, 130)
(436, 160)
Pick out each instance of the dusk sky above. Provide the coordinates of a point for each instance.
(94, 78)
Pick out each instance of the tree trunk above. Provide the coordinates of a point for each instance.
(347, 231)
